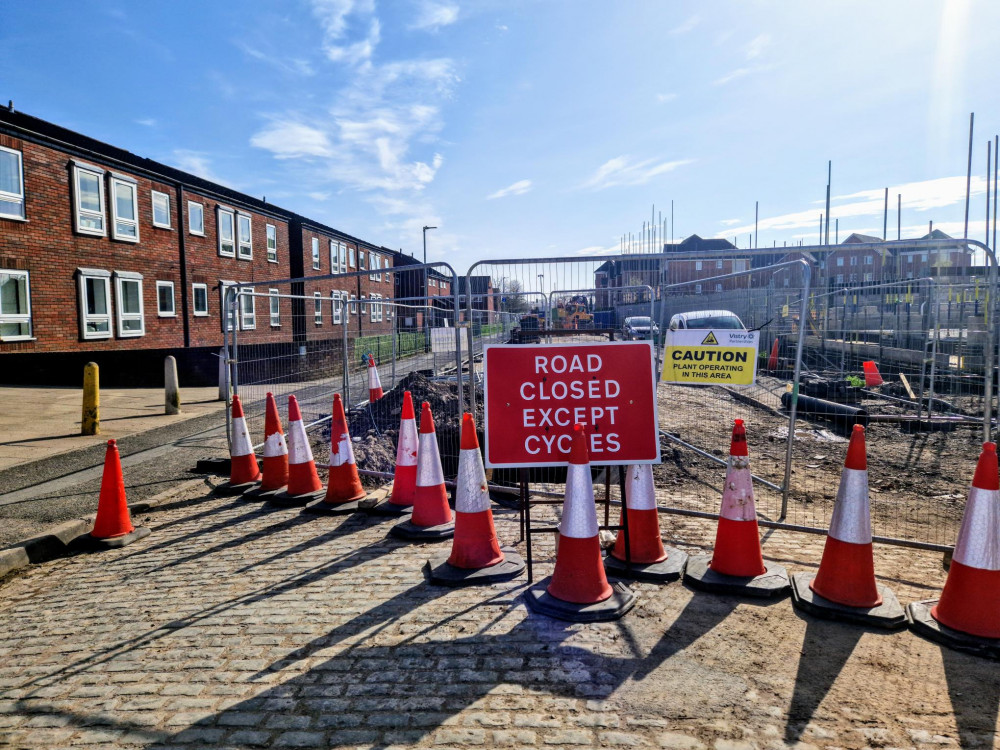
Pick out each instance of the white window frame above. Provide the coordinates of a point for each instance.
(697, 288)
(172, 313)
(869, 277)
(271, 232)
(318, 308)
(201, 212)
(378, 265)
(153, 195)
(343, 257)
(361, 260)
(352, 257)
(244, 244)
(373, 311)
(15, 197)
(854, 260)
(869, 260)
(78, 210)
(221, 211)
(840, 261)
(336, 307)
(316, 262)
(274, 307)
(194, 300)
(718, 264)
(133, 185)
(247, 306)
(19, 318)
(122, 278)
(839, 278)
(923, 257)
(353, 307)
(334, 259)
(98, 275)
(718, 287)
(372, 265)
(228, 318)
(697, 265)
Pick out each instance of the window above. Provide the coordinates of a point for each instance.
(869, 277)
(334, 260)
(923, 257)
(869, 260)
(15, 305)
(697, 288)
(840, 278)
(335, 307)
(318, 308)
(199, 299)
(361, 260)
(128, 292)
(432, 282)
(373, 312)
(11, 184)
(161, 209)
(378, 265)
(697, 265)
(244, 236)
(910, 260)
(196, 218)
(372, 265)
(350, 257)
(165, 299)
(230, 314)
(124, 209)
(315, 253)
(343, 258)
(272, 243)
(248, 310)
(718, 264)
(354, 305)
(227, 232)
(88, 185)
(95, 303)
(718, 287)
(275, 307)
(854, 260)
(840, 260)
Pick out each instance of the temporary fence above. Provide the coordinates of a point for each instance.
(933, 341)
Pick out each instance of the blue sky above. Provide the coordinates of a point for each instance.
(534, 128)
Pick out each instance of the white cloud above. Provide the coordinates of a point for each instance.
(664, 98)
(197, 163)
(501, 27)
(518, 188)
(757, 45)
(621, 171)
(294, 66)
(318, 196)
(288, 139)
(342, 18)
(741, 72)
(148, 122)
(730, 222)
(433, 15)
(598, 250)
(917, 196)
(687, 26)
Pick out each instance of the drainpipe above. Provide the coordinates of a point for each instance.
(183, 262)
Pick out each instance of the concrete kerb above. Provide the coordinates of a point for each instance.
(55, 542)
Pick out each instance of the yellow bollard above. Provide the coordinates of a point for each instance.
(91, 420)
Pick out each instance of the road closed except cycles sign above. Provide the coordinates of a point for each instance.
(535, 394)
(710, 357)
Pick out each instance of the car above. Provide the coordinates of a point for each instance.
(639, 327)
(718, 319)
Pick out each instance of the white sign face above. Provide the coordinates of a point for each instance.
(710, 357)
(442, 340)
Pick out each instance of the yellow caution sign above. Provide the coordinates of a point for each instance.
(715, 357)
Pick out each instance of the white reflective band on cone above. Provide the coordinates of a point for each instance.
(274, 445)
(241, 445)
(579, 515)
(472, 495)
(299, 451)
(737, 495)
(851, 521)
(341, 450)
(373, 379)
(429, 472)
(406, 451)
(978, 542)
(639, 488)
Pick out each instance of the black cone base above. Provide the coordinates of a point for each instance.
(889, 614)
(918, 614)
(412, 533)
(665, 571)
(441, 572)
(229, 489)
(88, 542)
(622, 599)
(771, 583)
(321, 507)
(293, 501)
(259, 494)
(390, 510)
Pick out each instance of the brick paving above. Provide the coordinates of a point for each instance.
(238, 625)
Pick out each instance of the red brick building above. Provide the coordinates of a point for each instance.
(111, 257)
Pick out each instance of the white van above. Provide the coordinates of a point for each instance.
(718, 319)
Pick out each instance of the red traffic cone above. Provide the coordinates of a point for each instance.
(845, 586)
(967, 616)
(113, 525)
(431, 517)
(374, 384)
(872, 376)
(736, 564)
(476, 557)
(304, 484)
(578, 589)
(772, 361)
(647, 558)
(404, 481)
(343, 486)
(275, 474)
(244, 473)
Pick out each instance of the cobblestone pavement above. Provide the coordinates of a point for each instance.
(238, 625)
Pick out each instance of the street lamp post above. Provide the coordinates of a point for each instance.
(426, 288)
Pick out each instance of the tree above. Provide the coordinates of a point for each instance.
(511, 295)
